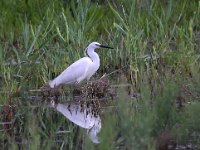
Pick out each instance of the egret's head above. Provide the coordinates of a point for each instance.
(95, 45)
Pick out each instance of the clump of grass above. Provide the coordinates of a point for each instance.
(142, 121)
(188, 129)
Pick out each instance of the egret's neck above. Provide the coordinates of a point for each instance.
(93, 55)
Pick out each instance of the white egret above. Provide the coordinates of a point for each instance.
(82, 69)
(82, 116)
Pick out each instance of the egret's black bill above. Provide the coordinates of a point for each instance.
(103, 46)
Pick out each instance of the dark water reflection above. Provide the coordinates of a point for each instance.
(83, 115)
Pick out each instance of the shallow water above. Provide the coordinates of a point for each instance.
(85, 116)
(64, 119)
(32, 118)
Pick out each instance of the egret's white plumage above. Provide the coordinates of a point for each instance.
(80, 70)
(83, 116)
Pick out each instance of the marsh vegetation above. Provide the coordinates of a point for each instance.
(151, 96)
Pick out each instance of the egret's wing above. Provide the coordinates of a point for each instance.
(72, 73)
(75, 70)
(82, 117)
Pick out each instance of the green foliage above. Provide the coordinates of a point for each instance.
(143, 120)
(156, 46)
(189, 124)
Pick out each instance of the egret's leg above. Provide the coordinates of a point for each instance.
(88, 78)
(80, 79)
(76, 83)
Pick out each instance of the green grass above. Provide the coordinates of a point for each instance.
(156, 48)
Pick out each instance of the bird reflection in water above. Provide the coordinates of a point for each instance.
(83, 115)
